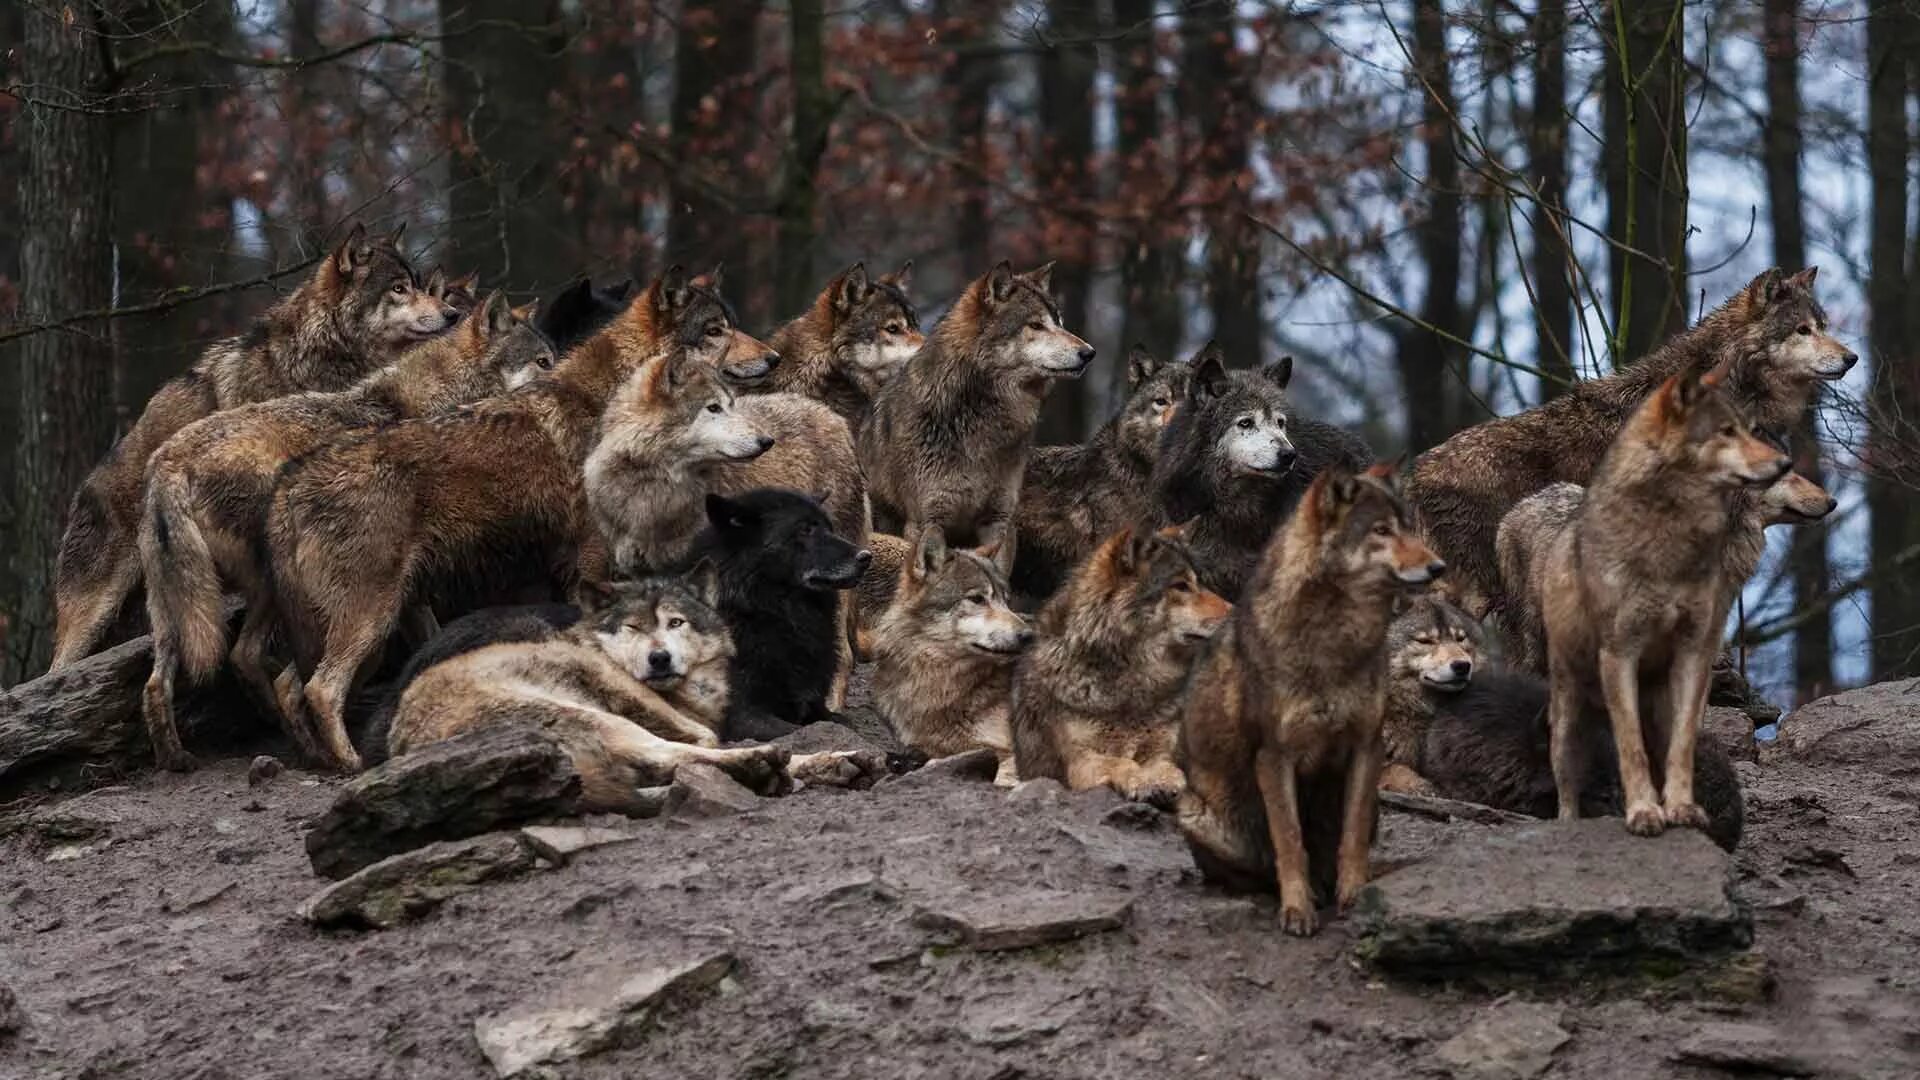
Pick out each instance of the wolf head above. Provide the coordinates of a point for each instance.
(1779, 309)
(460, 294)
(1434, 643)
(1692, 425)
(1794, 500)
(1149, 583)
(376, 300)
(495, 348)
(1155, 389)
(578, 311)
(1239, 418)
(875, 328)
(678, 312)
(958, 601)
(1364, 530)
(684, 413)
(661, 629)
(781, 539)
(1009, 324)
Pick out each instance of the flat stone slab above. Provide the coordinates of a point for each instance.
(560, 843)
(1749, 1049)
(1513, 1040)
(703, 791)
(407, 886)
(1023, 920)
(592, 1014)
(1875, 727)
(1553, 899)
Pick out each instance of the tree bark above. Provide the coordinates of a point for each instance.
(1426, 361)
(713, 119)
(1646, 156)
(1547, 154)
(66, 379)
(1215, 96)
(969, 87)
(502, 81)
(812, 119)
(1149, 267)
(1066, 149)
(309, 132)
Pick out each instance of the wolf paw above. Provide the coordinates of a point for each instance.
(857, 769)
(761, 769)
(1299, 920)
(1645, 819)
(1685, 815)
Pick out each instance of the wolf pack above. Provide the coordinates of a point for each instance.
(621, 519)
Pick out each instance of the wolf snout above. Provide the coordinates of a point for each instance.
(1283, 461)
(863, 558)
(1845, 364)
(1462, 668)
(659, 662)
(1420, 575)
(1086, 355)
(764, 442)
(1023, 637)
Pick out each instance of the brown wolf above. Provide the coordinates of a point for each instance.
(1433, 649)
(633, 690)
(944, 654)
(857, 335)
(948, 437)
(1773, 336)
(1633, 594)
(875, 592)
(482, 500)
(1074, 497)
(209, 487)
(1097, 700)
(359, 309)
(1280, 737)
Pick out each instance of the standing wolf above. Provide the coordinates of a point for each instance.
(948, 437)
(1280, 738)
(1773, 337)
(1235, 460)
(209, 487)
(1634, 598)
(1073, 497)
(855, 338)
(362, 306)
(1097, 701)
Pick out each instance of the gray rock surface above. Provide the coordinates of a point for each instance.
(702, 791)
(593, 1013)
(407, 886)
(1749, 1049)
(1513, 1040)
(1875, 727)
(1023, 919)
(560, 843)
(972, 765)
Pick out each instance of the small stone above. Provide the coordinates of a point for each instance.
(592, 1014)
(1513, 1040)
(703, 791)
(815, 894)
(1743, 1048)
(407, 886)
(225, 826)
(970, 765)
(1044, 791)
(264, 768)
(75, 821)
(1128, 847)
(560, 843)
(70, 852)
(824, 737)
(1022, 920)
(12, 1016)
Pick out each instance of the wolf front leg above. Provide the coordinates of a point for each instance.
(1687, 682)
(1356, 821)
(1279, 790)
(1620, 685)
(1563, 718)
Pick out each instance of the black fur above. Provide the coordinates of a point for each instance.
(1489, 744)
(580, 310)
(780, 565)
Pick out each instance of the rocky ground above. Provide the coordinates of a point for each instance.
(935, 926)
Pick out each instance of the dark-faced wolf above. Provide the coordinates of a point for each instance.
(855, 338)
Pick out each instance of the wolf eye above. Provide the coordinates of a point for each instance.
(1160, 403)
(976, 598)
(1424, 639)
(896, 328)
(399, 288)
(1382, 528)
(715, 331)
(1459, 635)
(1036, 325)
(1245, 423)
(714, 407)
(676, 623)
(1805, 329)
(1729, 431)
(1180, 586)
(545, 361)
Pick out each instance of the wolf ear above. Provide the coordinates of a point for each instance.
(1760, 291)
(712, 278)
(930, 554)
(393, 238)
(1279, 373)
(704, 580)
(1000, 282)
(592, 596)
(902, 278)
(496, 316)
(353, 251)
(527, 312)
(1803, 278)
(1209, 373)
(1338, 489)
(726, 514)
(1130, 552)
(1041, 277)
(823, 496)
(670, 291)
(437, 283)
(1141, 365)
(469, 282)
(853, 288)
(619, 293)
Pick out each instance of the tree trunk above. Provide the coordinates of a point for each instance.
(1216, 93)
(66, 379)
(1807, 557)
(812, 118)
(1149, 267)
(969, 86)
(1425, 358)
(1547, 156)
(309, 129)
(1646, 155)
(509, 221)
(1066, 149)
(713, 120)
(1895, 399)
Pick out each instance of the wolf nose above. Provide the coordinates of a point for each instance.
(1287, 458)
(771, 359)
(1847, 361)
(1436, 568)
(659, 660)
(863, 557)
(1024, 636)
(1086, 354)
(1829, 507)
(1463, 668)
(765, 443)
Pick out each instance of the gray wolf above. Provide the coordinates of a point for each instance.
(855, 338)
(1433, 650)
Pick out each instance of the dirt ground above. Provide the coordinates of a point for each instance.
(173, 949)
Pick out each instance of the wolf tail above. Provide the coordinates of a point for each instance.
(184, 601)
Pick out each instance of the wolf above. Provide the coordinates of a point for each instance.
(580, 310)
(208, 489)
(1772, 335)
(1280, 734)
(855, 338)
(479, 504)
(781, 571)
(359, 309)
(1097, 701)
(947, 439)
(944, 654)
(1633, 594)
(635, 689)
(1074, 497)
(1235, 459)
(1531, 528)
(1433, 650)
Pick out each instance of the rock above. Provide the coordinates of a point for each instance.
(1744, 1048)
(1439, 809)
(1022, 920)
(559, 843)
(816, 894)
(1045, 791)
(826, 736)
(75, 821)
(12, 1016)
(70, 852)
(406, 886)
(465, 786)
(1145, 851)
(1514, 1040)
(1732, 729)
(703, 791)
(87, 710)
(969, 765)
(593, 1014)
(1138, 816)
(1876, 727)
(1001, 1020)
(1554, 900)
(264, 768)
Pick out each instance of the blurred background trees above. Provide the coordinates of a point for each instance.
(1445, 211)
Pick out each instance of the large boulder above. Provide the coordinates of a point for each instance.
(1559, 900)
(468, 785)
(1875, 727)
